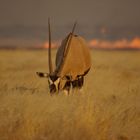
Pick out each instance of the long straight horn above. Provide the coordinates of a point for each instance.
(70, 38)
(49, 51)
(73, 27)
(67, 47)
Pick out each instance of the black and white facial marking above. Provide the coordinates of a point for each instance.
(54, 82)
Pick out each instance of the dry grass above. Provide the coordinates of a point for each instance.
(107, 109)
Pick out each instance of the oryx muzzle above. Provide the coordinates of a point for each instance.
(72, 63)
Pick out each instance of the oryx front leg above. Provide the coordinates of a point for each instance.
(67, 88)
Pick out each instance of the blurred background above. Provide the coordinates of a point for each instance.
(103, 23)
(108, 106)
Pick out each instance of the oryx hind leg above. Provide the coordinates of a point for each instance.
(78, 83)
(41, 74)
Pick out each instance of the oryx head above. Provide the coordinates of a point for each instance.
(53, 78)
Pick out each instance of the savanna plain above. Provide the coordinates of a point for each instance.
(107, 108)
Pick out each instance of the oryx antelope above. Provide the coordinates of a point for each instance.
(72, 63)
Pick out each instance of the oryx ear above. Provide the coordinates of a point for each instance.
(41, 74)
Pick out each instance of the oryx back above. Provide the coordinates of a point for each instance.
(77, 60)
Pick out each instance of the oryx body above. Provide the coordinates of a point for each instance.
(72, 63)
(77, 59)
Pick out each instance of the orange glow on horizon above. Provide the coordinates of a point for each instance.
(99, 43)
(53, 44)
(123, 43)
(135, 42)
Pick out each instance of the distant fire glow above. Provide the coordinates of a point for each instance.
(54, 44)
(120, 44)
(106, 44)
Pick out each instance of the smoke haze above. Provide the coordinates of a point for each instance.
(97, 19)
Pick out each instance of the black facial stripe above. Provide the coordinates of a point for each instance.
(53, 77)
(52, 88)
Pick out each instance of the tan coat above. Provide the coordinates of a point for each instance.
(77, 59)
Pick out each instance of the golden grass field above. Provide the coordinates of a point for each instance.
(108, 108)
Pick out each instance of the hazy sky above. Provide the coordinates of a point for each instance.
(103, 19)
(86, 12)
